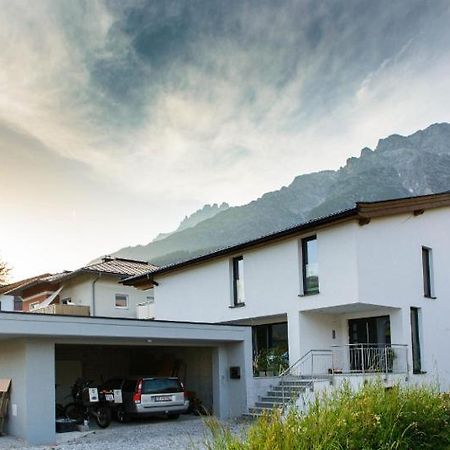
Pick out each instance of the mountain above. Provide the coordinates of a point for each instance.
(198, 216)
(399, 166)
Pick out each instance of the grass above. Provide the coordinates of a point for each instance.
(370, 418)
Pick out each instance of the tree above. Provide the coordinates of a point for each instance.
(4, 272)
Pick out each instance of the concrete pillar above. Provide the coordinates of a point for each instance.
(219, 376)
(31, 366)
(294, 336)
(40, 392)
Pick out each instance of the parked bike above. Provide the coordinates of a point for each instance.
(88, 402)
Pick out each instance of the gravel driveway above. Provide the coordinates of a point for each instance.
(188, 432)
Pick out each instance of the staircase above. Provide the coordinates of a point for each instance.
(298, 379)
(280, 396)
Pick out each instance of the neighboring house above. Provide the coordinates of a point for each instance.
(11, 302)
(366, 290)
(93, 290)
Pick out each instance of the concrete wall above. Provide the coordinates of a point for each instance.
(30, 365)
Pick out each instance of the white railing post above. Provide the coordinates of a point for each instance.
(362, 359)
(386, 360)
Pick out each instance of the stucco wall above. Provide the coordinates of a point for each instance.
(80, 290)
(272, 278)
(390, 272)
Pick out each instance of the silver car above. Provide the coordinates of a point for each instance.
(150, 396)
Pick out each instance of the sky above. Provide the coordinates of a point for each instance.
(118, 118)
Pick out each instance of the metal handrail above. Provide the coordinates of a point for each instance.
(303, 358)
(369, 358)
(308, 355)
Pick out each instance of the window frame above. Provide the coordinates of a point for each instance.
(121, 295)
(236, 276)
(304, 261)
(427, 272)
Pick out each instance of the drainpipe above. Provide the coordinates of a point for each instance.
(93, 293)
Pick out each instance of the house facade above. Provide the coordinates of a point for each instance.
(363, 290)
(93, 290)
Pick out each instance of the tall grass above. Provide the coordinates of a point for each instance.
(369, 418)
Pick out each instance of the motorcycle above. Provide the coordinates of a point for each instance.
(88, 402)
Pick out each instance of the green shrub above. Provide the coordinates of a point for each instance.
(370, 418)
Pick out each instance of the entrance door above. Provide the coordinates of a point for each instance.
(368, 338)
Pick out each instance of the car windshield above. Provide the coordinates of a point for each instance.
(161, 385)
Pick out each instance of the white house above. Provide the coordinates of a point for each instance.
(92, 290)
(366, 290)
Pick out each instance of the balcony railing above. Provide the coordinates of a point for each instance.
(369, 359)
(65, 310)
(351, 359)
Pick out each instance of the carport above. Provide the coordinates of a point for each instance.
(40, 351)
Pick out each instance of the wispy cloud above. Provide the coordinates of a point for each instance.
(188, 102)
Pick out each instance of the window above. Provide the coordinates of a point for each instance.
(66, 301)
(34, 306)
(121, 301)
(238, 280)
(310, 268)
(427, 269)
(150, 299)
(415, 340)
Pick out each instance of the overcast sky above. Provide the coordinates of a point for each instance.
(119, 118)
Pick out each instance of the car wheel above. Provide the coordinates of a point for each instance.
(173, 416)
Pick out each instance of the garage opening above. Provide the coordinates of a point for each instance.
(101, 363)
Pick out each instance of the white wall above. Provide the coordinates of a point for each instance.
(6, 303)
(272, 277)
(390, 272)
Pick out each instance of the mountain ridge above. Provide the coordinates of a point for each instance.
(399, 166)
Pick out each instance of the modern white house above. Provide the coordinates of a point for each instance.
(358, 294)
(363, 291)
(92, 290)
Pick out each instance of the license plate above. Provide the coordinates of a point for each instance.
(109, 397)
(163, 398)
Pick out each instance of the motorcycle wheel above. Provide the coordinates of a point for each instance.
(103, 416)
(121, 415)
(75, 412)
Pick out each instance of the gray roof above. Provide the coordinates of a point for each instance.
(120, 266)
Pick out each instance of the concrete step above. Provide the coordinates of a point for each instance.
(277, 398)
(269, 404)
(261, 410)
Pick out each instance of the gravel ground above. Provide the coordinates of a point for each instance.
(187, 432)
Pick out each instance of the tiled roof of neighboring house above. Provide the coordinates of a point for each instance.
(118, 267)
(6, 288)
(362, 211)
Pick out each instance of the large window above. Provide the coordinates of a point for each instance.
(310, 268)
(121, 301)
(427, 269)
(238, 281)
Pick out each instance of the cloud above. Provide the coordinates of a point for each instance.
(182, 103)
